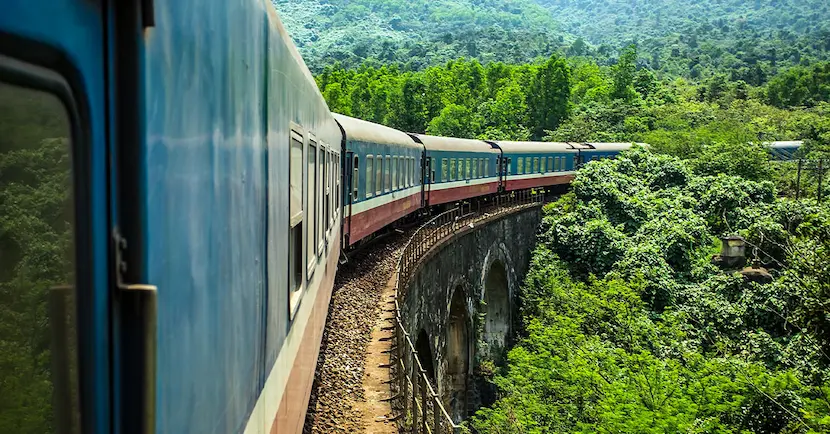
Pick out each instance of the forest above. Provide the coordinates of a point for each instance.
(628, 326)
(575, 99)
(750, 40)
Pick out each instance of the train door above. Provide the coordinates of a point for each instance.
(426, 176)
(352, 175)
(56, 270)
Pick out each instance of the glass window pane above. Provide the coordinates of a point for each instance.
(394, 173)
(543, 168)
(387, 174)
(296, 173)
(379, 174)
(535, 164)
(444, 170)
(452, 169)
(311, 175)
(370, 167)
(39, 384)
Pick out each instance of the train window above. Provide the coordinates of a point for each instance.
(535, 164)
(387, 174)
(370, 168)
(550, 164)
(394, 181)
(402, 163)
(521, 167)
(486, 167)
(379, 174)
(453, 169)
(467, 168)
(461, 169)
(311, 204)
(295, 235)
(543, 166)
(325, 165)
(321, 189)
(356, 177)
(39, 333)
(557, 164)
(444, 169)
(409, 172)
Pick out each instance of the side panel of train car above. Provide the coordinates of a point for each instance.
(241, 217)
(383, 177)
(55, 227)
(537, 164)
(597, 151)
(459, 168)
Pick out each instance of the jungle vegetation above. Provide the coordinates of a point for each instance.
(750, 40)
(627, 326)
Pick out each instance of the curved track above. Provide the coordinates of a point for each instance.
(338, 402)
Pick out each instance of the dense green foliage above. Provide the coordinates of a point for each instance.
(750, 40)
(575, 99)
(628, 327)
(35, 253)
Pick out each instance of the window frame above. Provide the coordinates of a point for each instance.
(370, 172)
(61, 82)
(311, 205)
(298, 267)
(387, 174)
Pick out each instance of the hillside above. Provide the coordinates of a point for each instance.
(417, 32)
(752, 40)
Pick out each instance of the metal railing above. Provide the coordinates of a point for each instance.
(419, 405)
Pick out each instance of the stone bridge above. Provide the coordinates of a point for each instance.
(459, 304)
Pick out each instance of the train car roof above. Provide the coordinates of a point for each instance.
(438, 143)
(611, 146)
(534, 147)
(786, 144)
(370, 132)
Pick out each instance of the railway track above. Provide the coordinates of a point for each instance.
(338, 402)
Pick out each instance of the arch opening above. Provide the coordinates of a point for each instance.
(458, 356)
(497, 321)
(424, 350)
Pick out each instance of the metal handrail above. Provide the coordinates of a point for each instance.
(411, 376)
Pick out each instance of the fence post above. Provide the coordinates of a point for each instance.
(402, 350)
(436, 413)
(424, 418)
(414, 378)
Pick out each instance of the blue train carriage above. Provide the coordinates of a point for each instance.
(382, 178)
(784, 150)
(458, 169)
(242, 223)
(596, 151)
(200, 159)
(536, 164)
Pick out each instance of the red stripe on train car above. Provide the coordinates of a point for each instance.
(521, 184)
(373, 219)
(437, 197)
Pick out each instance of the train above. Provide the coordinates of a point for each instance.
(178, 274)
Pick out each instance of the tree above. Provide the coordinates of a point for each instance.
(548, 99)
(455, 121)
(623, 73)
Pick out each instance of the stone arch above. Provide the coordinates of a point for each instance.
(497, 309)
(458, 355)
(424, 350)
